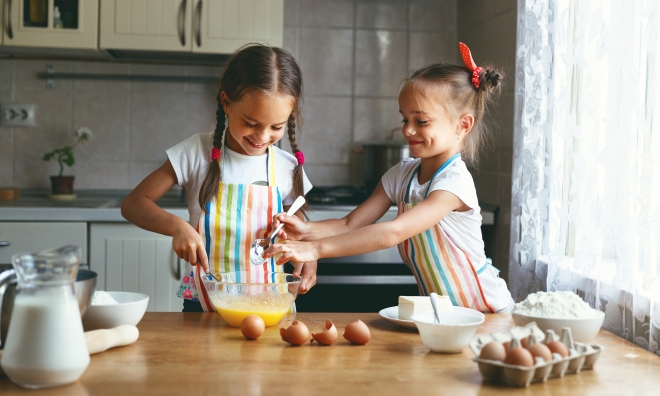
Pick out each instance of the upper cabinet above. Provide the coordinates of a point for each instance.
(202, 26)
(159, 25)
(50, 23)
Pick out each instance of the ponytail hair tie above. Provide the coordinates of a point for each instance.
(215, 153)
(469, 62)
(300, 157)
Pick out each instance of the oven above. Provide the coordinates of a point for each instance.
(363, 283)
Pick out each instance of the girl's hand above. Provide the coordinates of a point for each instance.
(295, 251)
(294, 228)
(189, 246)
(307, 271)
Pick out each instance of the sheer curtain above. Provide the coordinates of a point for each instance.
(586, 169)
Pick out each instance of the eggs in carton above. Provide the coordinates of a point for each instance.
(579, 356)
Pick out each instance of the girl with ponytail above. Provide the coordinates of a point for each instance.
(438, 226)
(236, 180)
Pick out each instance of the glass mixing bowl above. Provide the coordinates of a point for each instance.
(236, 295)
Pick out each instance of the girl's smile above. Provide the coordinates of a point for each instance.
(256, 121)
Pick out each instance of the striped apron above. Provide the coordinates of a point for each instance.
(239, 214)
(437, 263)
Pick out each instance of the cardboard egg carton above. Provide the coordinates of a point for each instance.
(581, 356)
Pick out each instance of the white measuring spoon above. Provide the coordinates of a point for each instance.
(434, 303)
(259, 245)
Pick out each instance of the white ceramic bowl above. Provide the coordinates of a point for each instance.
(452, 334)
(129, 311)
(582, 329)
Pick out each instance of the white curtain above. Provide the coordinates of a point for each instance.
(586, 169)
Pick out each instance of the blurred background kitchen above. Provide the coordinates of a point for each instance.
(354, 55)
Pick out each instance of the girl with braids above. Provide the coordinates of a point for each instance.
(235, 178)
(438, 226)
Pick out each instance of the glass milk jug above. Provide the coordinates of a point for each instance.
(45, 343)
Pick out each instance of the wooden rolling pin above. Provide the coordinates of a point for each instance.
(102, 340)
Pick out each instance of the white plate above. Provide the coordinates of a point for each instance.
(392, 314)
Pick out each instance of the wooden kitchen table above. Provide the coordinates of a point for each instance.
(198, 354)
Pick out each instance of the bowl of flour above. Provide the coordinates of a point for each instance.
(555, 310)
(115, 308)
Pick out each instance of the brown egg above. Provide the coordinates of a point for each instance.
(252, 327)
(357, 332)
(523, 343)
(519, 357)
(493, 351)
(558, 347)
(541, 351)
(296, 334)
(328, 336)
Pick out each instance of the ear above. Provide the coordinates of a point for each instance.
(465, 123)
(224, 100)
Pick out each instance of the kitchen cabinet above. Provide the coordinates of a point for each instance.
(128, 258)
(20, 237)
(33, 23)
(203, 26)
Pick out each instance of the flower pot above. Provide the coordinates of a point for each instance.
(61, 185)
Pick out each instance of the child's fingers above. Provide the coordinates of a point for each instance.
(297, 269)
(202, 258)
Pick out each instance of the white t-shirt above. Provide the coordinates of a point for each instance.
(192, 157)
(463, 228)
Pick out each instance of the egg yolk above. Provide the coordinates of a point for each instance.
(270, 307)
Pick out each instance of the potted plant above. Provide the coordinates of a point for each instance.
(63, 185)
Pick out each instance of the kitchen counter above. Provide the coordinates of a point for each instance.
(104, 206)
(193, 354)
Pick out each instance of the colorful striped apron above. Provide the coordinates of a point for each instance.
(437, 263)
(239, 214)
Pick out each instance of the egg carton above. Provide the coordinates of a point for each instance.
(581, 356)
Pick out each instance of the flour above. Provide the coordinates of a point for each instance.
(103, 298)
(559, 305)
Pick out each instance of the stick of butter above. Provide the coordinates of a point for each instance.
(412, 305)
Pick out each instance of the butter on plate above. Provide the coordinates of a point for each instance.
(411, 305)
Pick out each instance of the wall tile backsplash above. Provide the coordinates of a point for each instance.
(354, 55)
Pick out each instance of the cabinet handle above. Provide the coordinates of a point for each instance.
(178, 269)
(182, 21)
(10, 31)
(198, 24)
(4, 243)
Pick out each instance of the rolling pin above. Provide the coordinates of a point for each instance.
(102, 340)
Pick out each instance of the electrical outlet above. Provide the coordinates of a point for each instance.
(17, 114)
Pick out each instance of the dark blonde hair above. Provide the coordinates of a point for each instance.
(457, 89)
(265, 69)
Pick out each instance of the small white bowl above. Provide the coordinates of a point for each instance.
(452, 334)
(129, 311)
(582, 329)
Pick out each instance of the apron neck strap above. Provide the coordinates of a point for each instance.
(412, 176)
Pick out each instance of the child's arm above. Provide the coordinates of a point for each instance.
(140, 208)
(372, 237)
(367, 213)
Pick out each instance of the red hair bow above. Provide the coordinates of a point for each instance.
(469, 62)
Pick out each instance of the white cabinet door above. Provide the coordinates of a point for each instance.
(128, 258)
(19, 237)
(31, 23)
(159, 25)
(223, 26)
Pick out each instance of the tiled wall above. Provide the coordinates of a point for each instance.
(353, 54)
(488, 27)
(132, 122)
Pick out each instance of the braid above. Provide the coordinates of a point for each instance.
(298, 183)
(291, 130)
(209, 187)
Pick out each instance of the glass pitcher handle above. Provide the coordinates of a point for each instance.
(6, 278)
